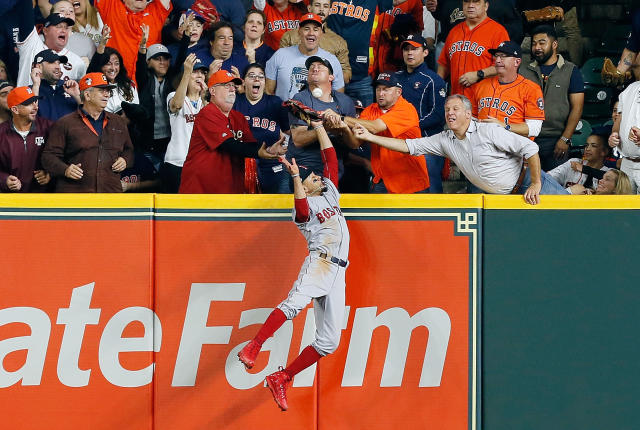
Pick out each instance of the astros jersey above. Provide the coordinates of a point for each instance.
(326, 231)
(353, 20)
(278, 23)
(512, 103)
(207, 170)
(467, 50)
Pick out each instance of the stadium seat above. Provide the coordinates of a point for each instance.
(597, 103)
(591, 71)
(579, 138)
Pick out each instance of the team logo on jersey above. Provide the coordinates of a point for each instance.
(456, 15)
(416, 85)
(442, 92)
(68, 67)
(282, 24)
(39, 140)
(466, 46)
(350, 11)
(540, 103)
(88, 82)
(327, 213)
(491, 103)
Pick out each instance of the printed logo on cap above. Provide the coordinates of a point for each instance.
(88, 81)
(384, 77)
(29, 91)
(104, 78)
(410, 37)
(39, 59)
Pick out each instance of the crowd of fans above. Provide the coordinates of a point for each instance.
(186, 96)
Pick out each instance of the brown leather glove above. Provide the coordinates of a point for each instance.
(611, 76)
(549, 13)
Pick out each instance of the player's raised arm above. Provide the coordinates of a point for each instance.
(328, 153)
(301, 204)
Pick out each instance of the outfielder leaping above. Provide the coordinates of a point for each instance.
(322, 276)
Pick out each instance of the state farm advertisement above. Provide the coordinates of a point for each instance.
(135, 324)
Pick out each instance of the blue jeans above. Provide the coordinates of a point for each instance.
(435, 164)
(360, 90)
(549, 185)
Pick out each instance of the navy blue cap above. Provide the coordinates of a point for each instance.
(415, 40)
(512, 49)
(387, 78)
(57, 18)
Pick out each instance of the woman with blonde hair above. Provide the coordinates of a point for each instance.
(88, 20)
(614, 182)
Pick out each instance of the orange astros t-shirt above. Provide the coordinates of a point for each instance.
(401, 173)
(467, 50)
(125, 28)
(510, 103)
(278, 23)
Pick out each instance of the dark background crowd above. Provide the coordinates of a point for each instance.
(186, 96)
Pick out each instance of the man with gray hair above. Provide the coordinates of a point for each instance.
(492, 158)
(87, 149)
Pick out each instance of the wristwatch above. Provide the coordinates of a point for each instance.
(565, 140)
(480, 74)
(507, 127)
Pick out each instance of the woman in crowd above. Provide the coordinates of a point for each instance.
(183, 105)
(269, 122)
(253, 46)
(4, 76)
(109, 61)
(88, 20)
(587, 171)
(614, 181)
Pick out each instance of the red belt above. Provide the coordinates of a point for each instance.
(518, 184)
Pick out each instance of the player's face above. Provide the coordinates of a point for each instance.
(56, 36)
(413, 56)
(310, 36)
(314, 185)
(135, 5)
(386, 96)
(456, 114)
(542, 47)
(222, 44)
(254, 82)
(607, 184)
(475, 9)
(254, 27)
(319, 74)
(322, 8)
(51, 72)
(112, 68)
(595, 149)
(3, 97)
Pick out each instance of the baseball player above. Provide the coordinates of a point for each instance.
(322, 276)
(465, 57)
(509, 99)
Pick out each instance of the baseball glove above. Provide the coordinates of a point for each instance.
(549, 13)
(611, 76)
(302, 111)
(207, 10)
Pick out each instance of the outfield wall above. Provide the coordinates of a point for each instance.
(128, 311)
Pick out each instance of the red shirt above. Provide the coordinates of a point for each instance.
(467, 50)
(401, 173)
(207, 169)
(125, 28)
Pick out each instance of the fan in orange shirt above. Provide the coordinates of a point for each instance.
(124, 18)
(282, 16)
(465, 57)
(509, 99)
(392, 116)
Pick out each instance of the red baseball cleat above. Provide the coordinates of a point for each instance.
(248, 354)
(277, 383)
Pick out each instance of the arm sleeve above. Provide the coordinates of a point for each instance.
(576, 84)
(535, 125)
(95, 60)
(560, 172)
(24, 15)
(534, 102)
(512, 143)
(141, 71)
(330, 162)
(426, 145)
(302, 210)
(242, 149)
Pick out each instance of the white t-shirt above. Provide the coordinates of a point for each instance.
(92, 33)
(117, 97)
(287, 68)
(28, 48)
(629, 107)
(181, 128)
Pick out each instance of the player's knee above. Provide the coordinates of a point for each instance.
(288, 311)
(326, 346)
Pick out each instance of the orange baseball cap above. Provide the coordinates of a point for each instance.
(94, 80)
(223, 77)
(310, 17)
(21, 96)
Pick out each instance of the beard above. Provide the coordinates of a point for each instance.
(543, 56)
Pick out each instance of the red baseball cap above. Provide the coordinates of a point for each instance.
(310, 17)
(223, 77)
(94, 80)
(21, 96)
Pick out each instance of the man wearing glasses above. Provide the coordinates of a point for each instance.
(220, 142)
(87, 149)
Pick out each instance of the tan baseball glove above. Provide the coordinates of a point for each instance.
(549, 13)
(611, 76)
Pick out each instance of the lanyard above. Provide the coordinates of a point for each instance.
(88, 123)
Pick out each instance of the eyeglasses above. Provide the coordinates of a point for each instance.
(255, 77)
(228, 85)
(102, 90)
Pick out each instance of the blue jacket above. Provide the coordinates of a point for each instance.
(426, 91)
(54, 102)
